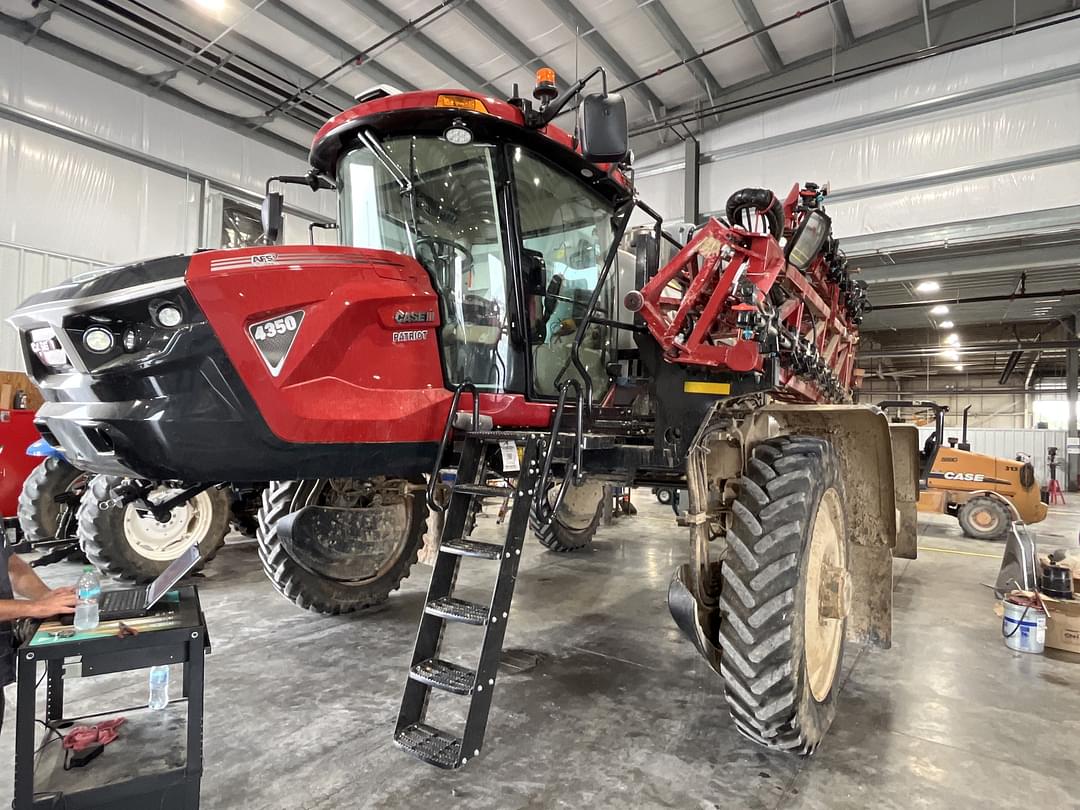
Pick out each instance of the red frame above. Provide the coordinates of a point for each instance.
(710, 266)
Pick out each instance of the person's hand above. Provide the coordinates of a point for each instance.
(55, 603)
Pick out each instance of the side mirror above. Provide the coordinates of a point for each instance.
(272, 218)
(807, 242)
(602, 128)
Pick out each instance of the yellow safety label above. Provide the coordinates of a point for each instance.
(715, 388)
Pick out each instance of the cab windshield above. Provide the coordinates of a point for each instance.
(449, 223)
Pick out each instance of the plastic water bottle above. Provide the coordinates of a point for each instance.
(159, 688)
(87, 595)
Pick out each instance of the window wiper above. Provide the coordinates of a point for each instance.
(399, 175)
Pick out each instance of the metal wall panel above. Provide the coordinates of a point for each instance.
(1007, 443)
(25, 271)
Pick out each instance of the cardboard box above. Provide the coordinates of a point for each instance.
(1063, 624)
(14, 381)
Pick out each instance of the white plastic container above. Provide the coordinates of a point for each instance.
(1023, 627)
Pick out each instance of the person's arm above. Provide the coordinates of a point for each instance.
(42, 603)
(24, 580)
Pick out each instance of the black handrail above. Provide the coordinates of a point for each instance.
(433, 481)
(544, 509)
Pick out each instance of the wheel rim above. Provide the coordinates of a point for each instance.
(357, 493)
(163, 541)
(984, 519)
(823, 636)
(579, 505)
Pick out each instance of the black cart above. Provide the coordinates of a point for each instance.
(157, 760)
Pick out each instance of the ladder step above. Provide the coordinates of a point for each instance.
(458, 610)
(484, 490)
(502, 435)
(431, 745)
(472, 548)
(444, 675)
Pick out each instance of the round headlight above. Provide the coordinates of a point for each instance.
(98, 339)
(168, 316)
(458, 134)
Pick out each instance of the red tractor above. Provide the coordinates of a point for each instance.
(476, 316)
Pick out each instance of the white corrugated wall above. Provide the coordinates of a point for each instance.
(1013, 125)
(1005, 443)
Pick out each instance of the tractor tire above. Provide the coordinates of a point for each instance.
(317, 592)
(781, 656)
(41, 515)
(983, 519)
(664, 495)
(129, 544)
(575, 524)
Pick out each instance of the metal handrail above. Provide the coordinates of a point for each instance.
(544, 509)
(466, 385)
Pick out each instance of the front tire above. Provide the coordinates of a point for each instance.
(43, 513)
(128, 543)
(312, 590)
(983, 519)
(576, 522)
(783, 595)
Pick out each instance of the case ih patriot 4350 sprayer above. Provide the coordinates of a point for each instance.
(475, 317)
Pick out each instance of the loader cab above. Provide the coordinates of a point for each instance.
(511, 226)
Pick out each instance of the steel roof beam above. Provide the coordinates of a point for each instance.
(678, 42)
(765, 45)
(422, 45)
(128, 36)
(845, 34)
(287, 17)
(577, 24)
(44, 41)
(484, 22)
(260, 57)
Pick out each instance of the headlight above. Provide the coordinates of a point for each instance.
(98, 339)
(168, 316)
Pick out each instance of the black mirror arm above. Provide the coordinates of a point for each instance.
(549, 113)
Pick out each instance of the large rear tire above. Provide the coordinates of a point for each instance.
(128, 543)
(43, 512)
(317, 592)
(575, 524)
(783, 595)
(983, 519)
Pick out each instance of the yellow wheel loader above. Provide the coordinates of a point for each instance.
(955, 481)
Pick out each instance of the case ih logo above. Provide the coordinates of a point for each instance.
(401, 316)
(264, 258)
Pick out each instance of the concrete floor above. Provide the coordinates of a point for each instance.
(619, 711)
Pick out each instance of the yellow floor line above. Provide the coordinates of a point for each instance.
(963, 553)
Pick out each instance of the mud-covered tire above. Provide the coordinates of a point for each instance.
(104, 534)
(310, 590)
(575, 523)
(40, 513)
(776, 698)
(983, 519)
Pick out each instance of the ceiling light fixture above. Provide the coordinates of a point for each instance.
(927, 287)
(211, 5)
(945, 325)
(951, 354)
(952, 339)
(940, 309)
(959, 366)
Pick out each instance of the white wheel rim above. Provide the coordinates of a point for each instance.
(165, 541)
(823, 636)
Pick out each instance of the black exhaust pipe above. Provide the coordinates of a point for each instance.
(963, 441)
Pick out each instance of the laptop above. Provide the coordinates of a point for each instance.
(130, 603)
